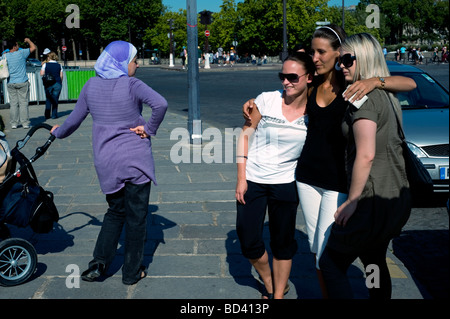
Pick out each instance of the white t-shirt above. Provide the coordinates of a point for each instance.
(276, 145)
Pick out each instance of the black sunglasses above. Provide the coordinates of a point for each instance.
(291, 77)
(347, 60)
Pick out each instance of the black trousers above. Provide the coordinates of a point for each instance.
(128, 207)
(334, 266)
(281, 202)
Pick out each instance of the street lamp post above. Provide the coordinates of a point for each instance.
(171, 64)
(194, 121)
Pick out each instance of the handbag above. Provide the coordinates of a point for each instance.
(48, 79)
(18, 204)
(420, 181)
(28, 204)
(44, 213)
(4, 71)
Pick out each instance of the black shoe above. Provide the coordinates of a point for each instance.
(93, 272)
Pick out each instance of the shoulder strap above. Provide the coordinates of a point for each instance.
(399, 126)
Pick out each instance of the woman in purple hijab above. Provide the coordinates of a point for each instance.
(122, 154)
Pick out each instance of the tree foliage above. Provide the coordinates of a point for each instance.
(256, 25)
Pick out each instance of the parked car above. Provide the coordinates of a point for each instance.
(34, 62)
(426, 122)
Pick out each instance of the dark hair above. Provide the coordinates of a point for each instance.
(11, 43)
(304, 59)
(336, 35)
(299, 47)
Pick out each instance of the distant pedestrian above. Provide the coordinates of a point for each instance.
(220, 54)
(199, 56)
(53, 89)
(436, 55)
(18, 85)
(232, 57)
(444, 55)
(402, 54)
(420, 55)
(122, 155)
(183, 56)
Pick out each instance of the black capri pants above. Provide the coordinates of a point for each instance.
(281, 202)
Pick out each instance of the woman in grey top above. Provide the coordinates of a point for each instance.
(378, 203)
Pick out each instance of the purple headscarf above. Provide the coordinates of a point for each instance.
(114, 60)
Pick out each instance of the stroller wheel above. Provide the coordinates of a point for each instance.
(18, 261)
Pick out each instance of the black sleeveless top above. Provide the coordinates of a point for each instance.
(54, 69)
(322, 161)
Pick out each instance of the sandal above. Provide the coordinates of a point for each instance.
(144, 273)
(267, 295)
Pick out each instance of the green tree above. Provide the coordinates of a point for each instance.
(224, 26)
(261, 23)
(355, 21)
(7, 22)
(411, 20)
(157, 37)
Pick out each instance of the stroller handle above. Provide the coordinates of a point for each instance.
(40, 150)
(21, 143)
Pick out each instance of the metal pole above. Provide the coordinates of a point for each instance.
(343, 15)
(285, 50)
(194, 122)
(171, 43)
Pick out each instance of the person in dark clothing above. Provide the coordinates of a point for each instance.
(53, 88)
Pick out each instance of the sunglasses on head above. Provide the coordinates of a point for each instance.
(291, 77)
(347, 60)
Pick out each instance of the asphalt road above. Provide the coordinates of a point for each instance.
(424, 244)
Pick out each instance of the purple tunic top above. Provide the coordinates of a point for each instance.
(115, 105)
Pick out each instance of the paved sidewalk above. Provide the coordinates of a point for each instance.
(192, 249)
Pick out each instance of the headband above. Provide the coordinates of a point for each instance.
(337, 35)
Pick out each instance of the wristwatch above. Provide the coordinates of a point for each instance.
(383, 82)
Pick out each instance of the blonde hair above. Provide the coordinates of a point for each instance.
(370, 61)
(52, 56)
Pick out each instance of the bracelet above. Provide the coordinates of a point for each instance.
(383, 82)
(242, 156)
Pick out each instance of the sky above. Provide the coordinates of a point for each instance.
(214, 5)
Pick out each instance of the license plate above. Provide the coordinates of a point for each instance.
(443, 172)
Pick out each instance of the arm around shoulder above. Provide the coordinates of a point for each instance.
(397, 83)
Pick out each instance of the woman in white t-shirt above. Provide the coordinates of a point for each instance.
(267, 156)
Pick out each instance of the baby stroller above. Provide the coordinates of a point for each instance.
(23, 202)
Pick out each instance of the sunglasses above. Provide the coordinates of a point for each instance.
(347, 60)
(291, 77)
